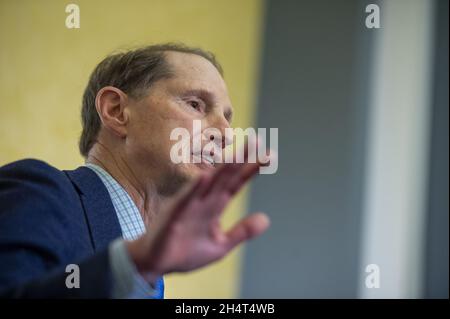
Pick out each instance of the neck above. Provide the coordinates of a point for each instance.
(146, 197)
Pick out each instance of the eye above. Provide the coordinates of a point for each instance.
(194, 104)
(197, 105)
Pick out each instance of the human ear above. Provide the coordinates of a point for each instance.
(110, 103)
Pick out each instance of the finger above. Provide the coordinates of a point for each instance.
(216, 178)
(242, 154)
(248, 171)
(238, 181)
(197, 190)
(219, 198)
(214, 205)
(188, 192)
(248, 228)
(216, 201)
(227, 171)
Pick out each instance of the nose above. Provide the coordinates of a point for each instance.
(217, 132)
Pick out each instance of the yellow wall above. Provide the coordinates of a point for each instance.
(44, 67)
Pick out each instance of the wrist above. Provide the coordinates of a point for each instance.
(139, 256)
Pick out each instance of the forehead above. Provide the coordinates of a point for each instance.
(195, 70)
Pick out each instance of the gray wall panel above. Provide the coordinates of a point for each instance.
(312, 89)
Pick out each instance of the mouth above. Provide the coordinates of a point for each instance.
(206, 160)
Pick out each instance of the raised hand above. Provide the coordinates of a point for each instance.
(188, 235)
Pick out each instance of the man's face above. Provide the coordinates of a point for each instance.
(196, 91)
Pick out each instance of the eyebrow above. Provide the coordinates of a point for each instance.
(210, 97)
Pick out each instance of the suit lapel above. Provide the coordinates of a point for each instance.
(98, 207)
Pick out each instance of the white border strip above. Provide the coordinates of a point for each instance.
(396, 167)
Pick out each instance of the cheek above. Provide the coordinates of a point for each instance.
(151, 125)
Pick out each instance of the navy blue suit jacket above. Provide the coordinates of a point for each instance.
(49, 219)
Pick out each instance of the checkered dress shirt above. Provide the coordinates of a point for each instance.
(132, 227)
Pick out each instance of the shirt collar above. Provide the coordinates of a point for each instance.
(130, 219)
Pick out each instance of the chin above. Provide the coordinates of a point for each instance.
(191, 171)
(177, 177)
(180, 175)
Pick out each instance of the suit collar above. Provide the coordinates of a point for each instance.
(101, 216)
